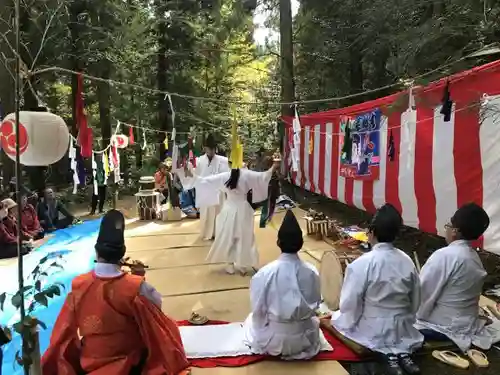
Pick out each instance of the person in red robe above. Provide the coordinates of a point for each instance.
(111, 321)
(31, 224)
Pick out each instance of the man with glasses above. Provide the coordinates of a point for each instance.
(452, 281)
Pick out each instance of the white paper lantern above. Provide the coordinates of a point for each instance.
(119, 141)
(44, 137)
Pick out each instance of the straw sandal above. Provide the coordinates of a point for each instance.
(478, 358)
(197, 319)
(451, 359)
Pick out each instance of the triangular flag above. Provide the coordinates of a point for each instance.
(131, 139)
(165, 141)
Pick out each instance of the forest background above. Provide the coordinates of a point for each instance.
(205, 49)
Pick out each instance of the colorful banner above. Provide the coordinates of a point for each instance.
(363, 162)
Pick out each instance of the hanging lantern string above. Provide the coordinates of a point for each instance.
(216, 100)
(468, 107)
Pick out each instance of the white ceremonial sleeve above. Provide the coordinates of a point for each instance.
(258, 292)
(415, 294)
(208, 188)
(186, 182)
(148, 291)
(353, 291)
(258, 182)
(224, 165)
(433, 277)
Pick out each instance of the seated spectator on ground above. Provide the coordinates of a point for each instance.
(162, 179)
(284, 296)
(52, 213)
(452, 281)
(8, 231)
(380, 298)
(29, 221)
(111, 322)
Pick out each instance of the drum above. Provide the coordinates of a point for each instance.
(148, 205)
(331, 278)
(147, 183)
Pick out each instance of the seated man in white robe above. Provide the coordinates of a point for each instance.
(284, 296)
(452, 281)
(379, 299)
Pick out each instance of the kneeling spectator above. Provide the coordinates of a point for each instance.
(9, 230)
(30, 223)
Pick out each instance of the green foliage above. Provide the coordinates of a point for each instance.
(344, 47)
(38, 295)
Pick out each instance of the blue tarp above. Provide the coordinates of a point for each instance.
(75, 245)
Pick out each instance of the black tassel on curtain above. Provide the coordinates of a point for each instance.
(390, 149)
(447, 103)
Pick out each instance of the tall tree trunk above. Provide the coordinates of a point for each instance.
(75, 28)
(163, 105)
(286, 54)
(286, 64)
(104, 98)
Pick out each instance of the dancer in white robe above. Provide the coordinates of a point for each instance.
(285, 295)
(380, 297)
(210, 164)
(452, 282)
(234, 229)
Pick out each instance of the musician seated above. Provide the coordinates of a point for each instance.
(111, 321)
(284, 296)
(452, 282)
(379, 299)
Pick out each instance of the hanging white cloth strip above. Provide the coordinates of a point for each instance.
(296, 140)
(175, 156)
(72, 157)
(144, 142)
(94, 173)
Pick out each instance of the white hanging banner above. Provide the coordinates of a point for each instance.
(94, 173)
(73, 166)
(144, 143)
(173, 135)
(296, 121)
(175, 156)
(295, 160)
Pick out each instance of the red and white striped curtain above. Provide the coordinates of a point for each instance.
(437, 166)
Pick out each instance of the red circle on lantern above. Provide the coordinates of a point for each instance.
(8, 137)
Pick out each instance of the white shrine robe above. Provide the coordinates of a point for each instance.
(284, 295)
(234, 227)
(452, 281)
(379, 301)
(208, 213)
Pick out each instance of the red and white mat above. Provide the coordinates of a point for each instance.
(220, 344)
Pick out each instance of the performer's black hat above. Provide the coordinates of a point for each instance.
(290, 235)
(110, 244)
(471, 221)
(210, 142)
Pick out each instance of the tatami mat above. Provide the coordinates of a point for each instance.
(195, 279)
(278, 368)
(232, 306)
